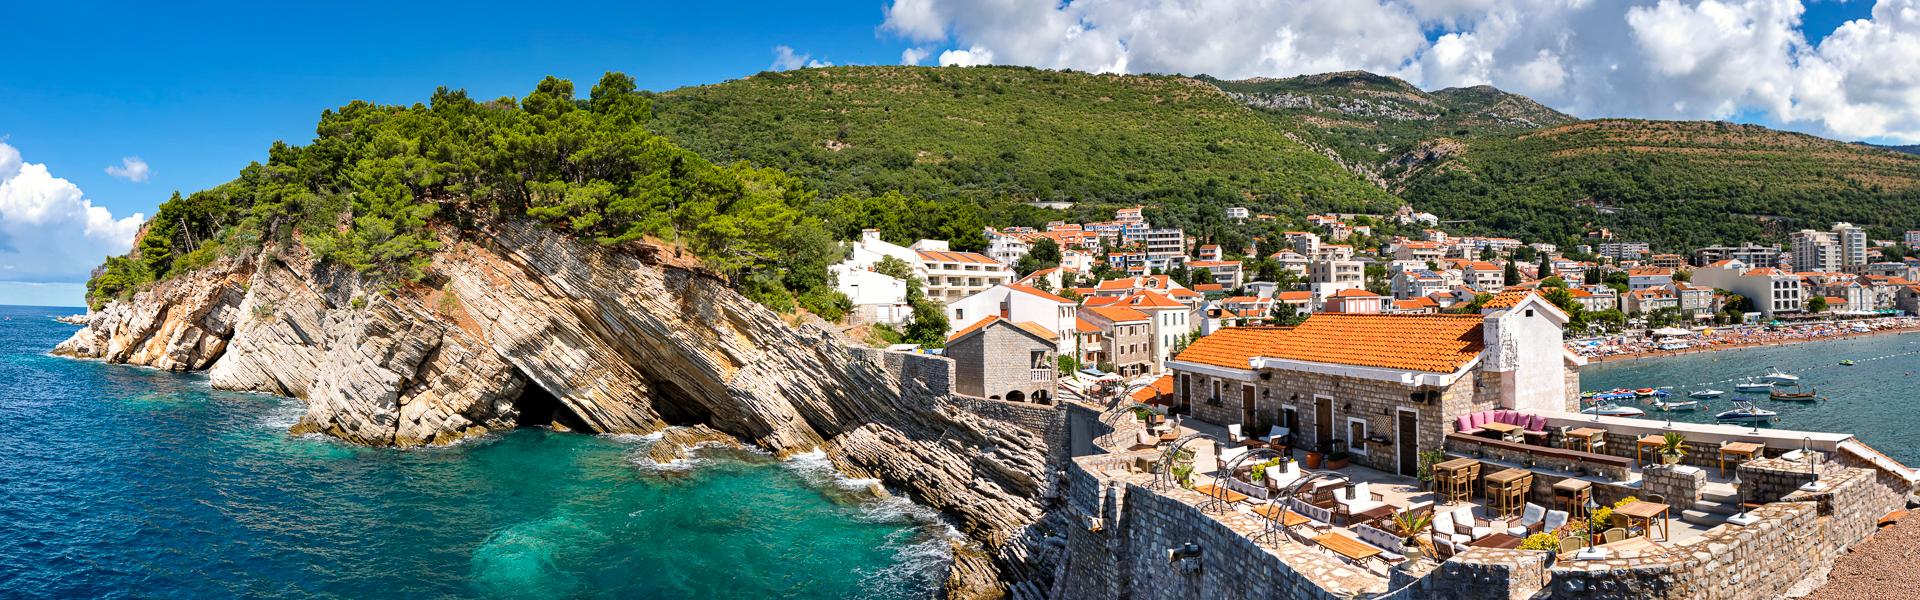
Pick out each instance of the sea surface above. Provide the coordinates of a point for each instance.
(120, 481)
(1877, 400)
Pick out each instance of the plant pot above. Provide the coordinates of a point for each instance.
(1411, 551)
(1313, 460)
(1337, 463)
(1669, 459)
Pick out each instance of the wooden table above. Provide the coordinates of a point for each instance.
(1585, 435)
(1443, 476)
(1289, 520)
(1646, 511)
(1354, 550)
(1218, 498)
(1497, 540)
(1371, 516)
(1504, 481)
(1507, 431)
(1576, 490)
(1745, 450)
(1652, 440)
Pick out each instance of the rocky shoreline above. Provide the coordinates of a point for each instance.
(518, 325)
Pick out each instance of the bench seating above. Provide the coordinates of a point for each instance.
(1389, 544)
(1607, 460)
(1472, 424)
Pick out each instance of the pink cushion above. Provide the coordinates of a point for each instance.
(1465, 423)
(1537, 423)
(1507, 417)
(1477, 419)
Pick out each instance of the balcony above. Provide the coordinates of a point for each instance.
(1040, 375)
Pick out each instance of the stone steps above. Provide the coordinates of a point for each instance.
(1731, 498)
(1704, 518)
(1717, 507)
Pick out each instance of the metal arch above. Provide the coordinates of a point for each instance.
(1112, 421)
(1271, 536)
(1217, 499)
(1163, 479)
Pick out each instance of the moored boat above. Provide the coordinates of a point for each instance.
(1777, 376)
(1706, 394)
(1751, 386)
(1798, 394)
(1745, 412)
(1676, 405)
(1607, 408)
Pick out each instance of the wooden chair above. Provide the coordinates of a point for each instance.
(1614, 535)
(1572, 544)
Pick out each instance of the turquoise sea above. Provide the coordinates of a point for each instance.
(1875, 399)
(120, 481)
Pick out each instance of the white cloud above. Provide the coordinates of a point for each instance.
(913, 56)
(1683, 59)
(49, 232)
(786, 59)
(131, 168)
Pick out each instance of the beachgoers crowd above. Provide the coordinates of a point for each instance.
(1714, 338)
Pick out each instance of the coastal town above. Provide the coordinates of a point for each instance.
(1367, 405)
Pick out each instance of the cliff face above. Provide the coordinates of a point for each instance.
(521, 326)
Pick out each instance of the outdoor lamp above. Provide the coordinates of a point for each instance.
(1185, 558)
(1806, 447)
(1591, 505)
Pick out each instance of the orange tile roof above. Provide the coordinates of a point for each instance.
(1117, 284)
(1508, 298)
(1151, 299)
(1085, 326)
(1029, 326)
(1426, 343)
(1182, 293)
(1119, 314)
(1293, 296)
(976, 326)
(1209, 264)
(1099, 301)
(1209, 287)
(1027, 289)
(1649, 271)
(1354, 293)
(1039, 330)
(1421, 302)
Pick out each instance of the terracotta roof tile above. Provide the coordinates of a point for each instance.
(1151, 299)
(1426, 343)
(1300, 296)
(1507, 298)
(1355, 293)
(1085, 326)
(1233, 347)
(976, 326)
(955, 257)
(1120, 314)
(1027, 289)
(1039, 330)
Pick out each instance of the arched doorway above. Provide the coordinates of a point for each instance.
(1040, 397)
(1016, 396)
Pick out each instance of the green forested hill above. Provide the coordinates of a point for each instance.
(1678, 184)
(999, 133)
(1371, 120)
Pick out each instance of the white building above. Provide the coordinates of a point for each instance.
(1853, 244)
(1816, 251)
(1648, 277)
(1172, 321)
(1418, 283)
(1006, 248)
(1913, 238)
(954, 275)
(1227, 273)
(1020, 304)
(876, 298)
(1237, 212)
(1625, 250)
(1771, 290)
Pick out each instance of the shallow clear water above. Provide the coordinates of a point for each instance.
(1874, 399)
(126, 482)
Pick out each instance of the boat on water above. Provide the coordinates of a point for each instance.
(1777, 376)
(1847, 363)
(1798, 394)
(1703, 394)
(1643, 392)
(1746, 412)
(1751, 386)
(1677, 405)
(1607, 408)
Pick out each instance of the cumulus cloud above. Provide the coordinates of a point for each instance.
(1683, 59)
(49, 231)
(913, 56)
(786, 59)
(131, 168)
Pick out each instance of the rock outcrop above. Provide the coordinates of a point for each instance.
(519, 325)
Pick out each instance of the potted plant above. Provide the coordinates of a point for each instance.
(1337, 456)
(1542, 541)
(1597, 522)
(1412, 528)
(1316, 455)
(1673, 447)
(1425, 472)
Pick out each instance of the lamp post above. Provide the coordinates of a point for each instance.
(1806, 448)
(1740, 490)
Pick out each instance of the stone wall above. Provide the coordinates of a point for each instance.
(1679, 485)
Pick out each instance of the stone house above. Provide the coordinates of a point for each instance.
(1126, 338)
(1387, 386)
(1004, 360)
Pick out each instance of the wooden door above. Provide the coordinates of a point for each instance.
(1322, 422)
(1406, 434)
(1247, 412)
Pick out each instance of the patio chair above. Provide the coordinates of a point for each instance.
(1276, 437)
(1570, 544)
(1614, 535)
(1233, 434)
(1556, 519)
(1389, 544)
(1355, 500)
(1530, 520)
(1283, 475)
(1449, 525)
(1227, 455)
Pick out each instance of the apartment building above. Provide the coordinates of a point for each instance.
(1748, 253)
(1816, 250)
(1771, 290)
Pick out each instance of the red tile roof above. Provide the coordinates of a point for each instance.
(955, 257)
(1151, 299)
(1426, 343)
(1030, 290)
(1030, 327)
(1119, 314)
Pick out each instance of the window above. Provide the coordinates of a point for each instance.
(960, 315)
(1356, 435)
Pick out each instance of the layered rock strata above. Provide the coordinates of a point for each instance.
(518, 325)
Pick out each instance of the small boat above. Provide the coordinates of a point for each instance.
(1706, 394)
(1751, 386)
(1778, 377)
(1746, 412)
(1847, 363)
(1797, 394)
(1643, 392)
(1677, 405)
(1607, 408)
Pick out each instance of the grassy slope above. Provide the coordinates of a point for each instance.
(1677, 184)
(1008, 133)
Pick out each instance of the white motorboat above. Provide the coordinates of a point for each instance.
(1607, 408)
(1704, 394)
(1778, 377)
(1745, 412)
(1751, 386)
(1677, 405)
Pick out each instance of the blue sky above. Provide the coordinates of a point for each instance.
(198, 91)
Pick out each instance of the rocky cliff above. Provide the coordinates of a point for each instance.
(519, 326)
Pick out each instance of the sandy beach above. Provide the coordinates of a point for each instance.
(1624, 348)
